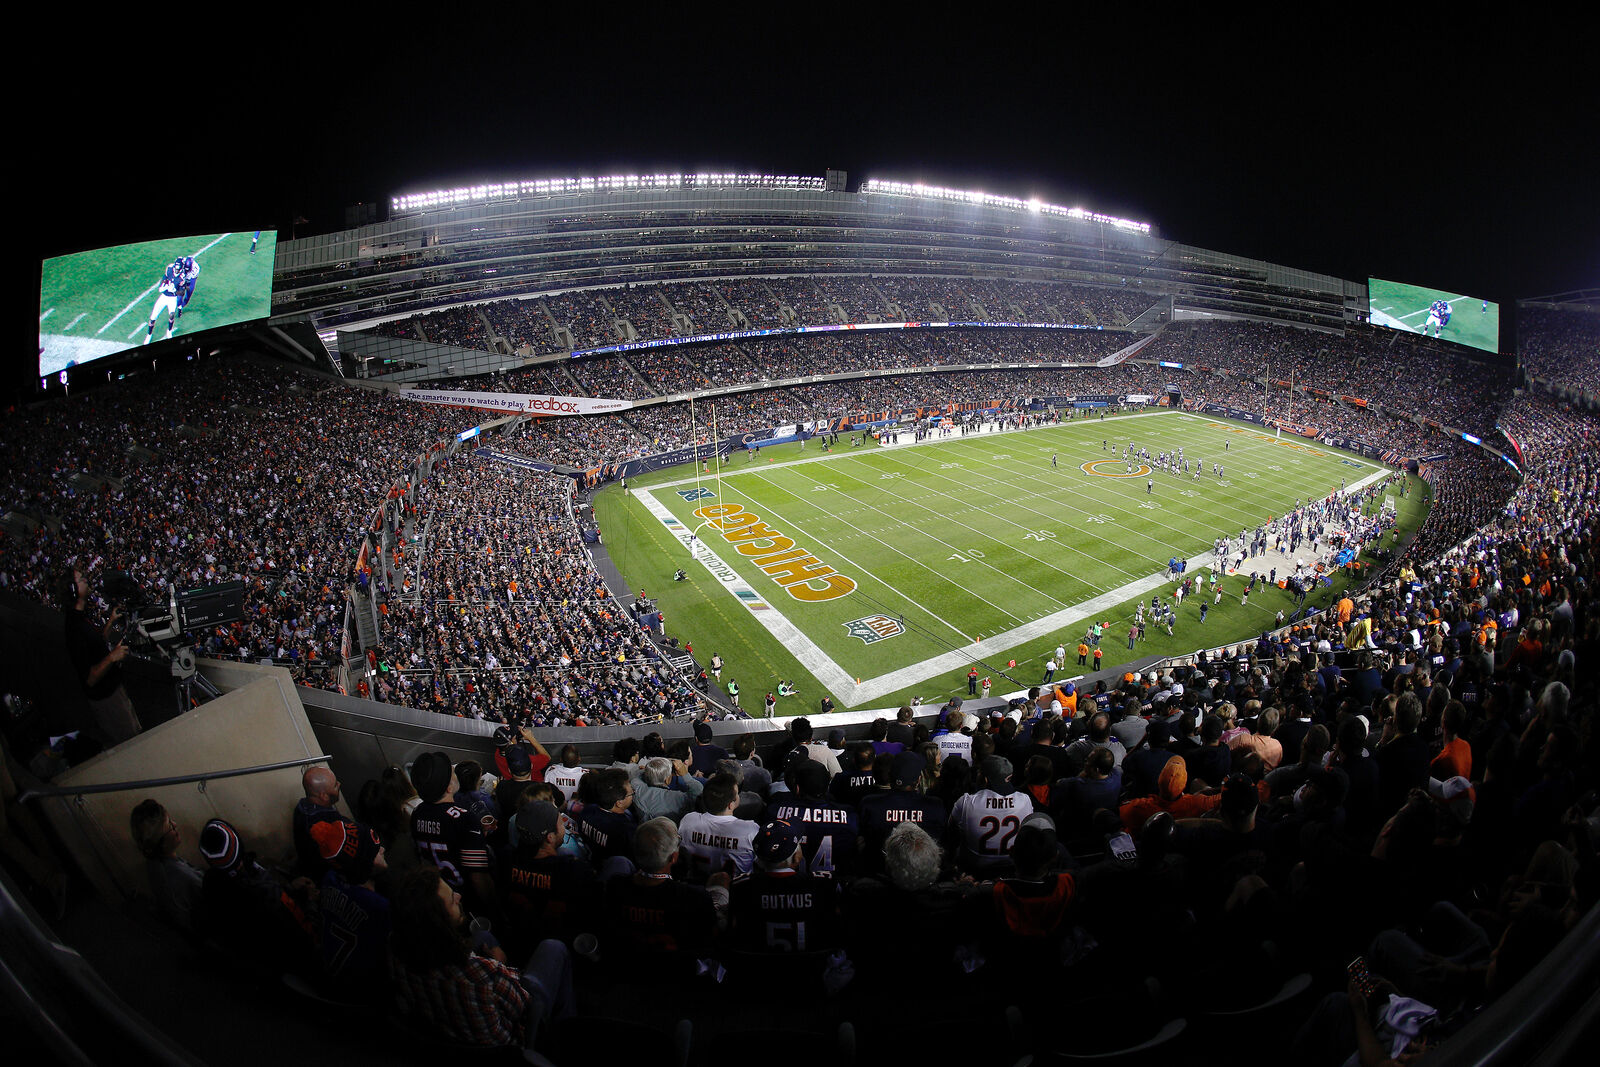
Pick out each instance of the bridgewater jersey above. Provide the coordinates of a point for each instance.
(713, 843)
(451, 839)
(987, 823)
(953, 744)
(828, 833)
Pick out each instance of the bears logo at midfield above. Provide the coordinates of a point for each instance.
(874, 628)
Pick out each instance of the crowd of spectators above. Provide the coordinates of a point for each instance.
(590, 315)
(1561, 346)
(239, 472)
(501, 615)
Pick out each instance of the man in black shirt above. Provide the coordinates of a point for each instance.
(548, 893)
(651, 917)
(905, 802)
(97, 664)
(446, 834)
(779, 908)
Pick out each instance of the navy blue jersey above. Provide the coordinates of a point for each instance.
(450, 838)
(882, 812)
(782, 911)
(828, 832)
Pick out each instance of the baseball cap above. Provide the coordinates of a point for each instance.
(907, 768)
(346, 846)
(996, 771)
(518, 760)
(219, 844)
(431, 775)
(702, 732)
(775, 843)
(1456, 795)
(836, 738)
(535, 819)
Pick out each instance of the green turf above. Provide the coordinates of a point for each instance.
(1470, 324)
(969, 538)
(95, 303)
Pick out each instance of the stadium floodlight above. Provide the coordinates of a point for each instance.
(970, 196)
(409, 203)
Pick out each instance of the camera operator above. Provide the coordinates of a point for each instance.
(97, 663)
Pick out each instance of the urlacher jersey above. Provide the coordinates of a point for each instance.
(450, 838)
(827, 831)
(987, 823)
(713, 843)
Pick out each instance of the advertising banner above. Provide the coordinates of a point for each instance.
(539, 405)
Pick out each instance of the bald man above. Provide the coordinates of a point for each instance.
(320, 803)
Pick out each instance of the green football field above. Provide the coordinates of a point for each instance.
(94, 304)
(1405, 307)
(907, 565)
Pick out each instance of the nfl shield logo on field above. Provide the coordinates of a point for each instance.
(874, 628)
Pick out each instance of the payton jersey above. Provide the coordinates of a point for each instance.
(713, 843)
(565, 779)
(987, 823)
(828, 833)
(450, 838)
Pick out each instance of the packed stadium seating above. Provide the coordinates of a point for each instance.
(1422, 798)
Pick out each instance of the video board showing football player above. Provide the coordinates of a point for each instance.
(1466, 320)
(98, 303)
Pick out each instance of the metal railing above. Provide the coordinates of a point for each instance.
(177, 779)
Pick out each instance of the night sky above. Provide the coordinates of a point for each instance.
(1461, 157)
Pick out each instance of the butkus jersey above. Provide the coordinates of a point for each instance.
(785, 912)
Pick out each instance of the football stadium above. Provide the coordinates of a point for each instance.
(690, 607)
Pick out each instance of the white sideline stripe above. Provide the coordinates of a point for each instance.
(936, 442)
(136, 301)
(838, 681)
(954, 662)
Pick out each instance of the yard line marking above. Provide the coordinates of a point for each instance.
(47, 314)
(136, 301)
(795, 524)
(838, 681)
(81, 316)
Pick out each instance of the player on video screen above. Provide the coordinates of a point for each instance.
(166, 300)
(188, 274)
(1438, 317)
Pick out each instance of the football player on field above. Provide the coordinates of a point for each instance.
(188, 273)
(166, 300)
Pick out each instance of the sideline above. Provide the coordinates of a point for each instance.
(838, 681)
